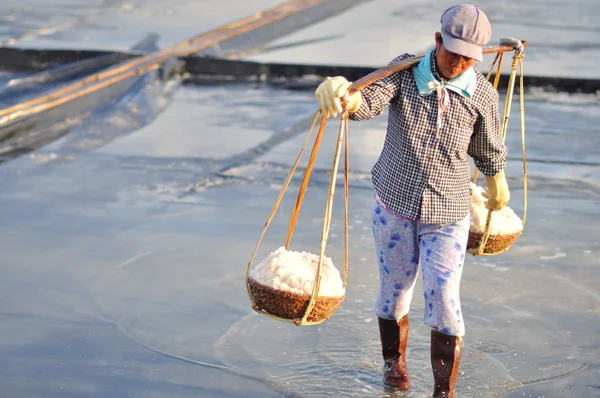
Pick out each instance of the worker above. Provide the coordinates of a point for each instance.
(440, 112)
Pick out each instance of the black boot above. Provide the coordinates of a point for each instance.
(445, 360)
(394, 336)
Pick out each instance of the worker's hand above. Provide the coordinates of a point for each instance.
(497, 192)
(329, 93)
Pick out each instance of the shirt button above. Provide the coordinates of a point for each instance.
(425, 204)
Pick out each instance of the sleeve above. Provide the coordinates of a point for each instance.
(379, 94)
(486, 146)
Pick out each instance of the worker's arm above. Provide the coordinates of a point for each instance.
(489, 154)
(369, 102)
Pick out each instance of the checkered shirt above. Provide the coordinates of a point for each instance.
(423, 172)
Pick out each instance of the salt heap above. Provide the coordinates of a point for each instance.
(295, 272)
(503, 222)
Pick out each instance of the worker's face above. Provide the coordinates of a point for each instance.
(450, 64)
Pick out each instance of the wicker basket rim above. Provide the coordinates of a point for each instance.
(298, 296)
(497, 235)
(495, 244)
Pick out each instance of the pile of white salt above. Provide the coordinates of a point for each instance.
(503, 222)
(295, 272)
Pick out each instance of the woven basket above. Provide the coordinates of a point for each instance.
(291, 305)
(495, 244)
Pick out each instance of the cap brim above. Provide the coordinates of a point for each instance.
(463, 48)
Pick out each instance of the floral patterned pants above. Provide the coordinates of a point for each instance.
(402, 244)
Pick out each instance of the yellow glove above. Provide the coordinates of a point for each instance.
(329, 93)
(497, 192)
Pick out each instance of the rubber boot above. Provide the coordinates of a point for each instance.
(394, 336)
(445, 360)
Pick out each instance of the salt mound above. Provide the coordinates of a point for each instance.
(503, 222)
(295, 272)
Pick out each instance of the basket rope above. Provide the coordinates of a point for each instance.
(327, 218)
(279, 199)
(304, 185)
(342, 136)
(517, 62)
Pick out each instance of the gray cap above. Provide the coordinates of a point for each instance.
(465, 30)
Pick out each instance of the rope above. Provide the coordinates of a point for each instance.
(307, 174)
(342, 135)
(522, 103)
(279, 199)
(327, 218)
(517, 62)
(346, 199)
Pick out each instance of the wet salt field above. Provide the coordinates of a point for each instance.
(124, 243)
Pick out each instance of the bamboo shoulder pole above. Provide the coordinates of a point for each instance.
(407, 63)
